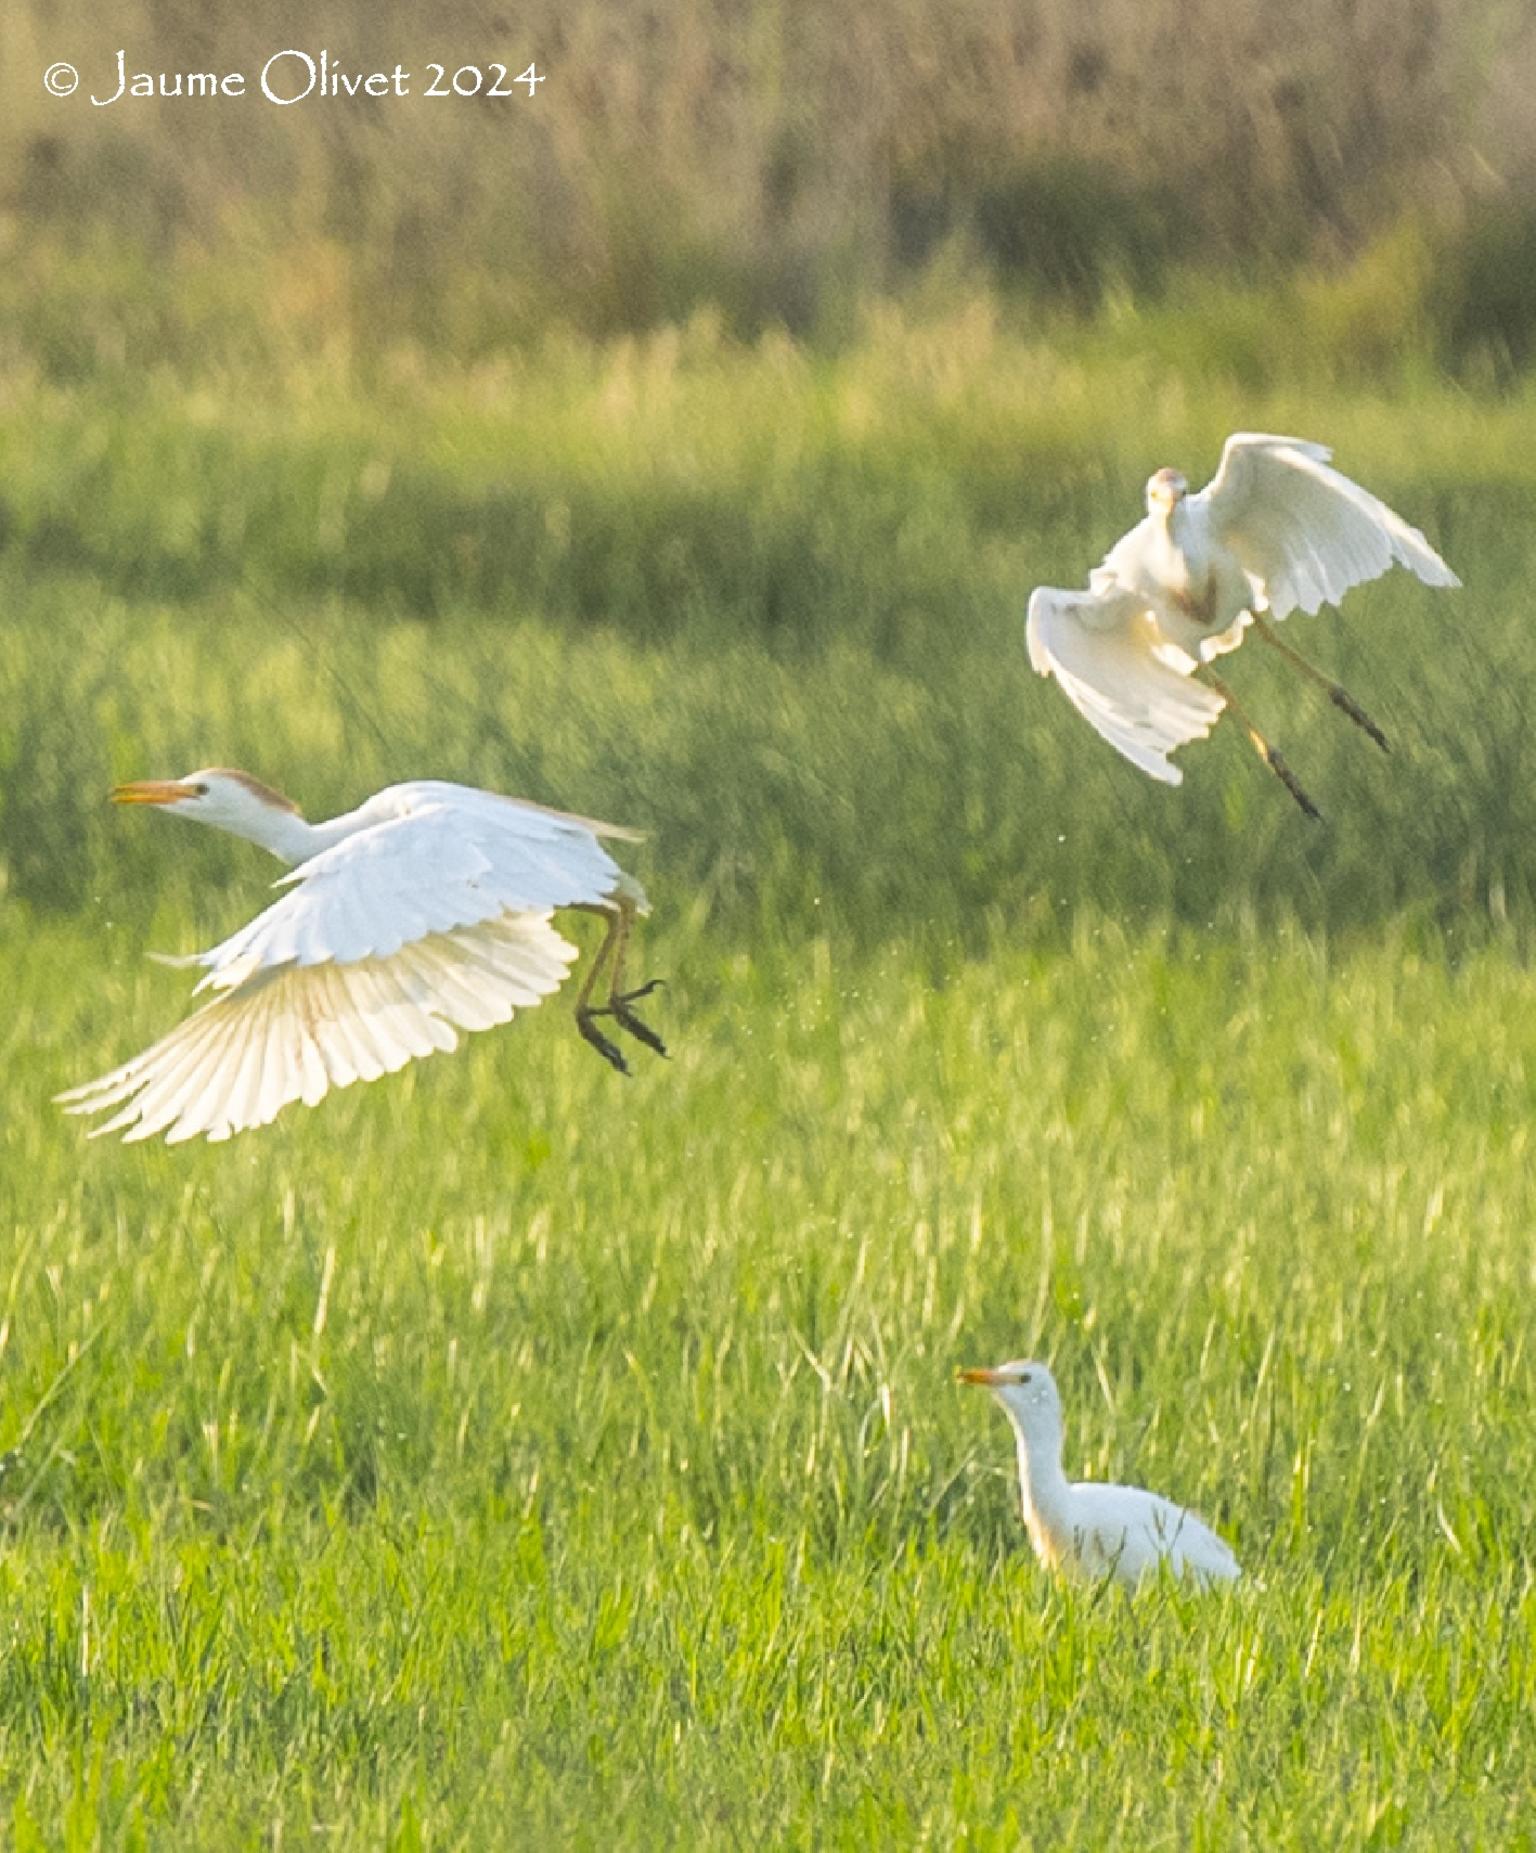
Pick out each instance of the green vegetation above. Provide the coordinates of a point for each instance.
(768, 603)
(778, 161)
(509, 1454)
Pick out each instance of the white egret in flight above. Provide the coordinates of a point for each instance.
(425, 911)
(1092, 1530)
(1276, 530)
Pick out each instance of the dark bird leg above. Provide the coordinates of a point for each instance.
(612, 952)
(1269, 754)
(1340, 697)
(619, 999)
(585, 1011)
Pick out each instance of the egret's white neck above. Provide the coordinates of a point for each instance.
(1043, 1486)
(286, 835)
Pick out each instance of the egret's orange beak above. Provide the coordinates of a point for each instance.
(975, 1374)
(152, 791)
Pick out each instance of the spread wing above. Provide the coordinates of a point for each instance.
(1305, 531)
(1104, 650)
(381, 949)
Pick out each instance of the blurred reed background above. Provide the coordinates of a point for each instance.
(778, 163)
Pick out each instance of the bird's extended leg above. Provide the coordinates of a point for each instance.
(619, 999)
(585, 1011)
(619, 918)
(1339, 696)
(1269, 754)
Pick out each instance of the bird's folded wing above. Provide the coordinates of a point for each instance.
(438, 868)
(1179, 1530)
(1128, 1528)
(292, 1031)
(1303, 529)
(1103, 649)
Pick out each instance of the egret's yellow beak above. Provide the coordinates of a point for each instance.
(975, 1374)
(152, 791)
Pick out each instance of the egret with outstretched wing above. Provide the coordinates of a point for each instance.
(425, 911)
(1276, 530)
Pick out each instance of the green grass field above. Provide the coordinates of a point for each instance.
(510, 1454)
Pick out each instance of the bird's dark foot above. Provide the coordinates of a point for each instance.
(619, 1009)
(1344, 700)
(591, 1033)
(1291, 783)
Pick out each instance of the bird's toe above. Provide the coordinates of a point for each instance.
(590, 1033)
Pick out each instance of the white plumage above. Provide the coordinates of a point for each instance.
(424, 912)
(1093, 1530)
(1276, 530)
(1112, 663)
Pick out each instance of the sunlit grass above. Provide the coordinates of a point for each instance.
(508, 1443)
(507, 1453)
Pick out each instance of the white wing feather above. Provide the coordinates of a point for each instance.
(1305, 531)
(382, 948)
(1103, 648)
(442, 866)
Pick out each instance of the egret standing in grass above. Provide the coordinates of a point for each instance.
(425, 911)
(1092, 1530)
(1276, 530)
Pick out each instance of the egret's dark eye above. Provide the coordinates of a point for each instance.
(200, 791)
(1023, 1376)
